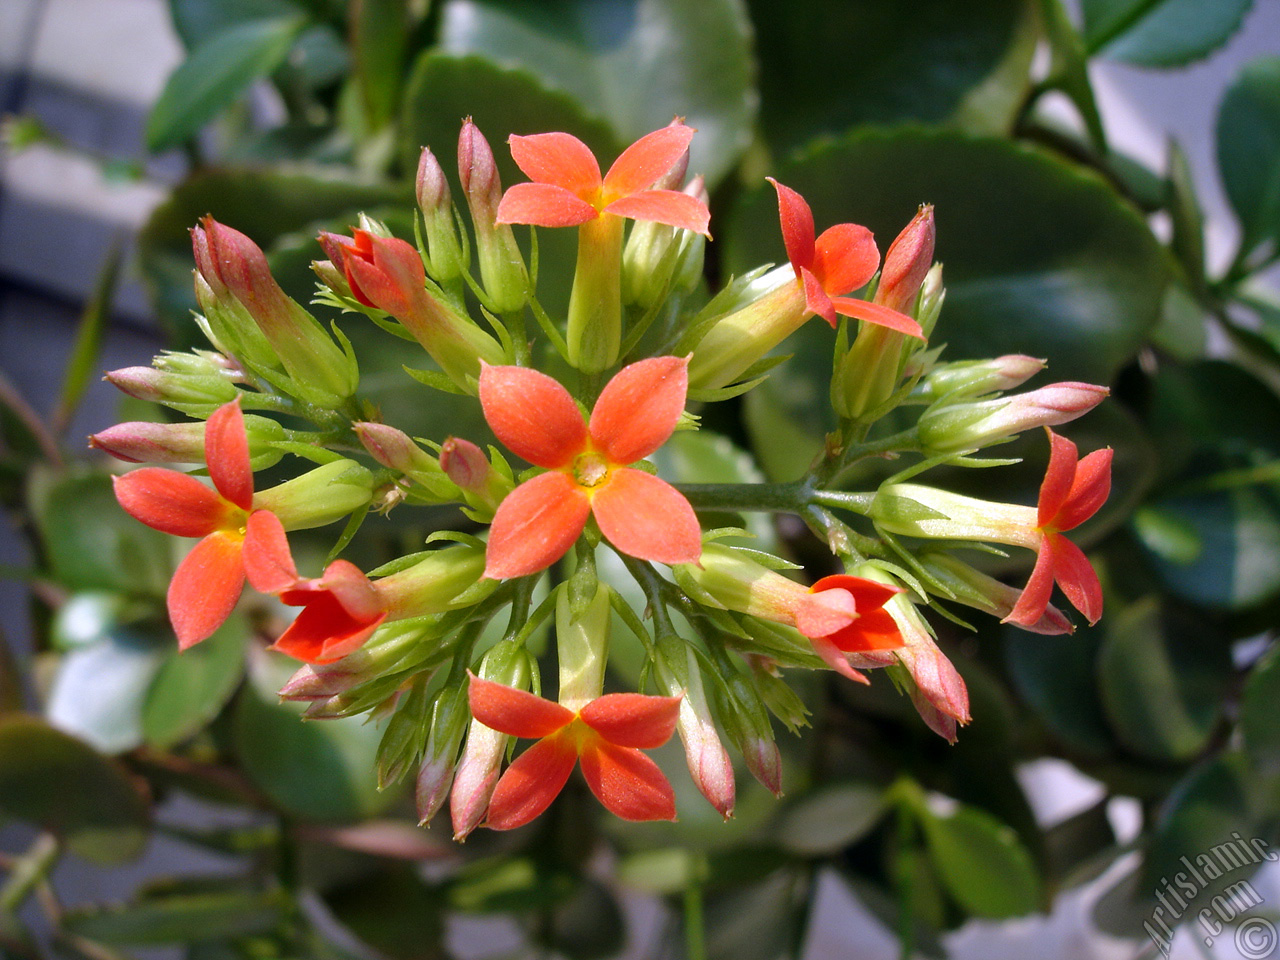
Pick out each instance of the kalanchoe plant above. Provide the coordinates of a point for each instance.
(585, 406)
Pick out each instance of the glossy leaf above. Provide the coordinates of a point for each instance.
(756, 922)
(1162, 672)
(1164, 33)
(64, 785)
(318, 770)
(982, 864)
(216, 73)
(192, 686)
(636, 63)
(1259, 719)
(813, 82)
(1057, 676)
(181, 918)
(830, 818)
(1248, 137)
(194, 20)
(380, 35)
(1039, 259)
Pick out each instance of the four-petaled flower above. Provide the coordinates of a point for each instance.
(340, 610)
(567, 188)
(1072, 492)
(638, 513)
(841, 260)
(843, 615)
(208, 582)
(607, 735)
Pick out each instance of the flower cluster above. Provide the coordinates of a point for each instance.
(585, 408)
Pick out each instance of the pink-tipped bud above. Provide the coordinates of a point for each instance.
(968, 378)
(431, 186)
(765, 763)
(963, 426)
(709, 762)
(940, 697)
(909, 258)
(393, 448)
(449, 716)
(478, 171)
(321, 681)
(148, 442)
(502, 269)
(465, 463)
(445, 251)
(476, 777)
(210, 390)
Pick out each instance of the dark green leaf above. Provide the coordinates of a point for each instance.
(1183, 329)
(826, 68)
(181, 918)
(191, 687)
(1259, 718)
(380, 34)
(64, 785)
(82, 364)
(320, 769)
(588, 926)
(1057, 677)
(394, 912)
(1162, 673)
(1160, 33)
(1188, 220)
(218, 71)
(830, 818)
(509, 884)
(636, 63)
(1076, 846)
(94, 545)
(194, 20)
(1249, 150)
(981, 863)
(759, 922)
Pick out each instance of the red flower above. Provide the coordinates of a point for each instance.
(208, 582)
(842, 615)
(568, 190)
(1072, 492)
(842, 259)
(340, 610)
(639, 514)
(607, 735)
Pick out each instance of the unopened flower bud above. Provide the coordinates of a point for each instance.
(442, 580)
(446, 252)
(746, 721)
(405, 733)
(323, 495)
(320, 681)
(506, 663)
(449, 716)
(680, 675)
(909, 258)
(975, 589)
(658, 258)
(728, 578)
(915, 510)
(502, 269)
(468, 467)
(321, 372)
(146, 442)
(968, 426)
(969, 378)
(195, 394)
(940, 696)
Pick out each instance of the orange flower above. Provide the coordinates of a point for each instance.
(1072, 492)
(588, 465)
(607, 735)
(208, 582)
(568, 190)
(844, 615)
(842, 259)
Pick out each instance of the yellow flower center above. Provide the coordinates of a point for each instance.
(590, 469)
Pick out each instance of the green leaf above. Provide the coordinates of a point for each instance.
(826, 68)
(1248, 136)
(830, 819)
(1162, 673)
(194, 20)
(319, 770)
(181, 918)
(394, 912)
(380, 35)
(1039, 257)
(636, 63)
(1160, 33)
(218, 71)
(92, 544)
(192, 686)
(1069, 68)
(64, 785)
(1057, 676)
(502, 884)
(82, 365)
(982, 864)
(1259, 719)
(758, 922)
(588, 926)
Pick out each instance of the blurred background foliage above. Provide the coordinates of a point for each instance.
(1054, 245)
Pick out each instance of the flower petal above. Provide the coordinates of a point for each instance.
(515, 712)
(531, 783)
(628, 783)
(532, 414)
(226, 450)
(646, 160)
(205, 587)
(797, 226)
(880, 315)
(647, 518)
(1035, 596)
(1058, 478)
(639, 408)
(325, 630)
(816, 300)
(171, 502)
(835, 659)
(633, 719)
(845, 257)
(869, 594)
(664, 206)
(822, 613)
(544, 205)
(560, 159)
(267, 560)
(535, 526)
(873, 630)
(1076, 577)
(1089, 490)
